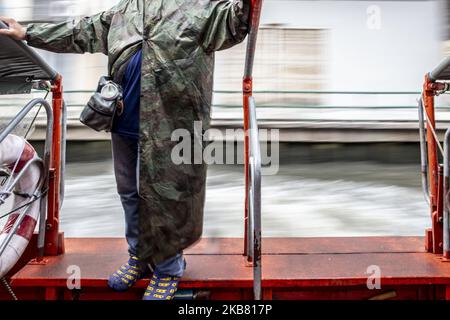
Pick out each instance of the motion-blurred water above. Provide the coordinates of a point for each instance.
(321, 199)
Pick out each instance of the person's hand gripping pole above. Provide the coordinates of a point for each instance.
(15, 30)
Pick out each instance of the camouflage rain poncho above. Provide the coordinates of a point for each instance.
(178, 38)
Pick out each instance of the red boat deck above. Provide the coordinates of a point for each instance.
(293, 268)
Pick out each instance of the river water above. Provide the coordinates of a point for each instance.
(359, 197)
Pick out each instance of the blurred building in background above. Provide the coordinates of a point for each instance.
(52, 10)
(303, 45)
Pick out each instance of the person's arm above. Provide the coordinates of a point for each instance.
(90, 34)
(227, 24)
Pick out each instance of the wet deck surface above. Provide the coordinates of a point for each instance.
(287, 262)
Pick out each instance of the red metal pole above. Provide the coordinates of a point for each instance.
(428, 101)
(247, 91)
(430, 90)
(52, 240)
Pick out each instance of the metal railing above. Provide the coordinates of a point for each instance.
(78, 102)
(435, 175)
(445, 153)
(46, 166)
(252, 214)
(254, 200)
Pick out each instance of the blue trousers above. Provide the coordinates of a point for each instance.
(126, 170)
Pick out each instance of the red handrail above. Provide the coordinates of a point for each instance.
(434, 236)
(54, 242)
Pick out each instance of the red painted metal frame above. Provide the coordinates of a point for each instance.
(53, 240)
(434, 237)
(331, 268)
(247, 93)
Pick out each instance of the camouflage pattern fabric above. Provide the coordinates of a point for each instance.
(178, 39)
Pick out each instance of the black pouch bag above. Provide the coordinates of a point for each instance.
(104, 104)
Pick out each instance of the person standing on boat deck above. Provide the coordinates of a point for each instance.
(162, 52)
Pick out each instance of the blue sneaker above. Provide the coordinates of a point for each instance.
(127, 275)
(161, 288)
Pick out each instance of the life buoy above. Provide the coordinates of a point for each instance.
(15, 153)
